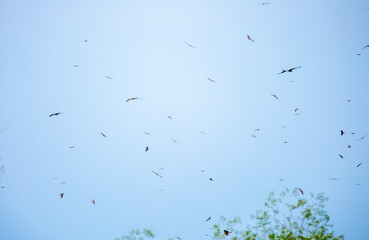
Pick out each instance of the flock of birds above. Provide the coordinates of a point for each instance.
(296, 110)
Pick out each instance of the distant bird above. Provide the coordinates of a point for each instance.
(157, 174)
(103, 135)
(178, 238)
(249, 38)
(191, 46)
(93, 201)
(211, 179)
(281, 179)
(340, 156)
(86, 41)
(359, 165)
(289, 70)
(302, 192)
(147, 133)
(211, 80)
(55, 114)
(253, 135)
(71, 147)
(61, 195)
(285, 142)
(296, 109)
(208, 219)
(227, 232)
(130, 99)
(202, 170)
(170, 117)
(349, 146)
(63, 182)
(362, 138)
(333, 179)
(147, 149)
(352, 133)
(109, 77)
(174, 140)
(202, 132)
(274, 96)
(349, 100)
(258, 129)
(2, 186)
(366, 46)
(264, 3)
(342, 132)
(284, 126)
(297, 114)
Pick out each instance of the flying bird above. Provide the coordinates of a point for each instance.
(342, 132)
(93, 201)
(249, 38)
(296, 109)
(103, 135)
(297, 114)
(227, 232)
(284, 126)
(362, 138)
(157, 174)
(281, 179)
(264, 3)
(211, 179)
(130, 99)
(174, 140)
(340, 156)
(302, 192)
(61, 195)
(258, 129)
(202, 132)
(253, 135)
(333, 179)
(359, 165)
(349, 146)
(366, 46)
(147, 149)
(55, 114)
(170, 117)
(349, 100)
(274, 96)
(208, 219)
(86, 40)
(178, 238)
(211, 80)
(76, 65)
(71, 147)
(109, 77)
(191, 46)
(63, 182)
(289, 70)
(147, 133)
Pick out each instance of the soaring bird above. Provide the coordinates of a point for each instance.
(157, 174)
(170, 117)
(211, 179)
(366, 46)
(174, 140)
(281, 179)
(191, 46)
(103, 135)
(302, 192)
(333, 179)
(208, 219)
(296, 109)
(202, 132)
(359, 165)
(249, 38)
(253, 136)
(274, 96)
(109, 77)
(284, 126)
(147, 133)
(257, 129)
(349, 146)
(264, 3)
(227, 232)
(86, 40)
(71, 147)
(133, 98)
(63, 182)
(340, 156)
(147, 149)
(93, 201)
(76, 65)
(211, 80)
(342, 132)
(362, 138)
(289, 70)
(61, 195)
(55, 114)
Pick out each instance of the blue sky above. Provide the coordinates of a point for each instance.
(140, 44)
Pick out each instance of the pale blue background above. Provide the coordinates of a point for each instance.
(140, 44)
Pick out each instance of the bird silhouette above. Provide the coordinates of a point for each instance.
(249, 38)
(211, 80)
(274, 96)
(61, 195)
(55, 114)
(103, 135)
(302, 192)
(289, 70)
(157, 174)
(130, 99)
(147, 149)
(359, 165)
(340, 156)
(362, 138)
(191, 46)
(208, 219)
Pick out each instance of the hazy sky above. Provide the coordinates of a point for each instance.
(141, 45)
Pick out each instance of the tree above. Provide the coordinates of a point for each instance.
(289, 216)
